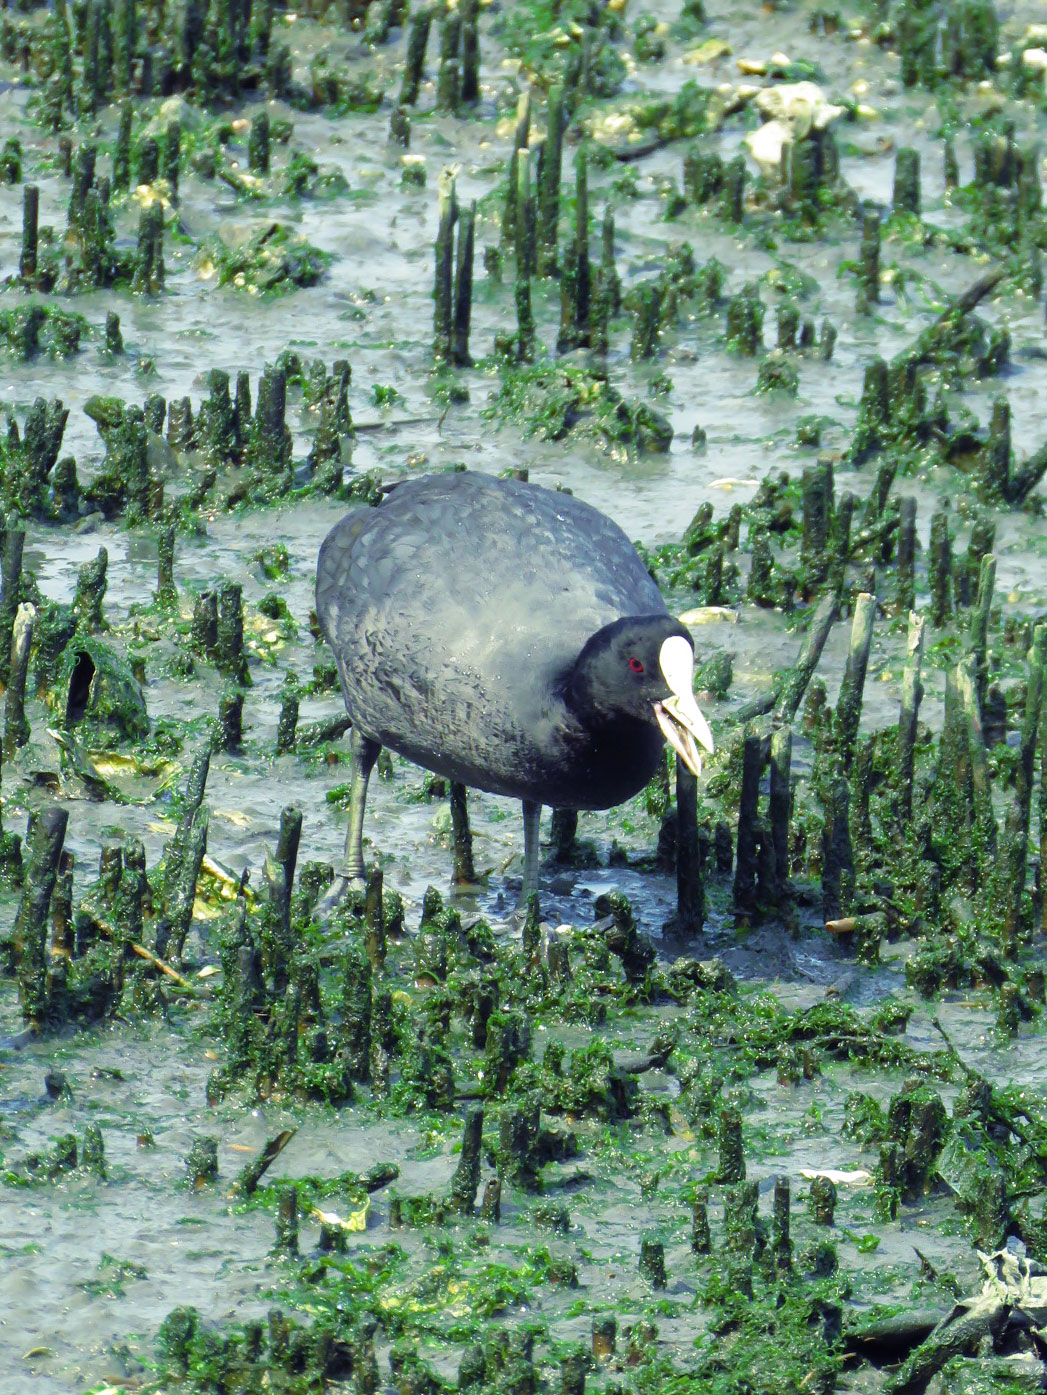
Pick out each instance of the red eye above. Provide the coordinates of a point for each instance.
(636, 666)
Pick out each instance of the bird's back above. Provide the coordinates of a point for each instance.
(456, 608)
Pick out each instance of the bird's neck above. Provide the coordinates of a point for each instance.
(581, 698)
(618, 753)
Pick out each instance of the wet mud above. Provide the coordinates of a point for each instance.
(661, 1084)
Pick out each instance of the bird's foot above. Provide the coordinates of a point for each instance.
(337, 895)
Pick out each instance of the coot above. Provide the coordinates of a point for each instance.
(508, 637)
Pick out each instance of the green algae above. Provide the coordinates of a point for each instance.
(98, 696)
(41, 328)
(555, 402)
(572, 41)
(270, 259)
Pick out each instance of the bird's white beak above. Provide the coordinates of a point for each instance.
(678, 715)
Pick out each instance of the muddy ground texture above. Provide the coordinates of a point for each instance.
(750, 1100)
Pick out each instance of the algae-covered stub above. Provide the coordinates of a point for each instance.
(97, 694)
(264, 257)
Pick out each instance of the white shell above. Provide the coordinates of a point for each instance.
(766, 144)
(800, 104)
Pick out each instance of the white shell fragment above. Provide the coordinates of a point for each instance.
(355, 1222)
(767, 143)
(708, 615)
(793, 110)
(801, 104)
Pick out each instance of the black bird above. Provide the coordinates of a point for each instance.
(508, 637)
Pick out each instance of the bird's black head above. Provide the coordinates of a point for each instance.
(641, 668)
(618, 673)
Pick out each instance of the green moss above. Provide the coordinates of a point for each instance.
(555, 402)
(41, 328)
(787, 1339)
(98, 695)
(271, 260)
(547, 35)
(777, 374)
(864, 1121)
(303, 178)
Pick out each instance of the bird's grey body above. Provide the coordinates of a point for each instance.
(457, 610)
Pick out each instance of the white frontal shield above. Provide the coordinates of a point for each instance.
(678, 715)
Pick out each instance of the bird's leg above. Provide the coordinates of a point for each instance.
(365, 753)
(351, 873)
(464, 873)
(532, 815)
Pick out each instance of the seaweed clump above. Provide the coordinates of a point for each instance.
(270, 259)
(557, 401)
